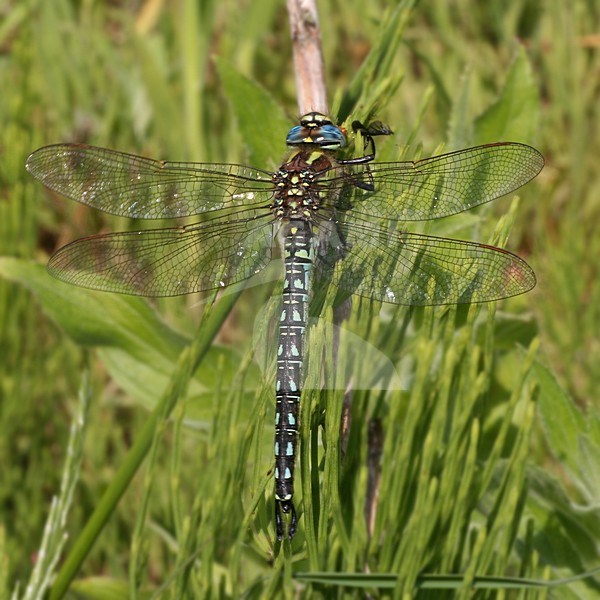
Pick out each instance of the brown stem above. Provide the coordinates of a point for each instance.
(308, 56)
(375, 436)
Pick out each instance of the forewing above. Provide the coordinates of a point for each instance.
(142, 188)
(439, 186)
(167, 262)
(420, 270)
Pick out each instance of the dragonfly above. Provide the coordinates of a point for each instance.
(339, 217)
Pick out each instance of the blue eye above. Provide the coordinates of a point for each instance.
(295, 136)
(330, 136)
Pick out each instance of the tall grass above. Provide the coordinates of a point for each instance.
(469, 451)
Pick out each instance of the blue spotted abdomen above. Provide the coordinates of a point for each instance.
(290, 354)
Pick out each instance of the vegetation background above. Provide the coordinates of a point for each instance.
(490, 454)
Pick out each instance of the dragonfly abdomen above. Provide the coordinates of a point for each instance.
(290, 356)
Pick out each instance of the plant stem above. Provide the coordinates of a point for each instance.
(308, 56)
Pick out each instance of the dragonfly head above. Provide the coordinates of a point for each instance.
(317, 128)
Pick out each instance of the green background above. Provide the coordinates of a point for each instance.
(490, 449)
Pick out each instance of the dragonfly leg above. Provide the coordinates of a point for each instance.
(359, 160)
(286, 506)
(368, 132)
(368, 186)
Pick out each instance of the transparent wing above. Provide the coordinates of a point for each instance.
(439, 186)
(142, 188)
(420, 270)
(167, 262)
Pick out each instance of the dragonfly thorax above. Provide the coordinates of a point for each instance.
(297, 189)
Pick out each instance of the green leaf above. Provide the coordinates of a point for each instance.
(96, 318)
(460, 126)
(102, 588)
(514, 116)
(439, 582)
(137, 346)
(511, 329)
(145, 381)
(562, 422)
(262, 123)
(567, 534)
(589, 467)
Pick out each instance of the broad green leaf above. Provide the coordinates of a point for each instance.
(562, 422)
(95, 318)
(262, 123)
(514, 116)
(567, 534)
(589, 466)
(138, 347)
